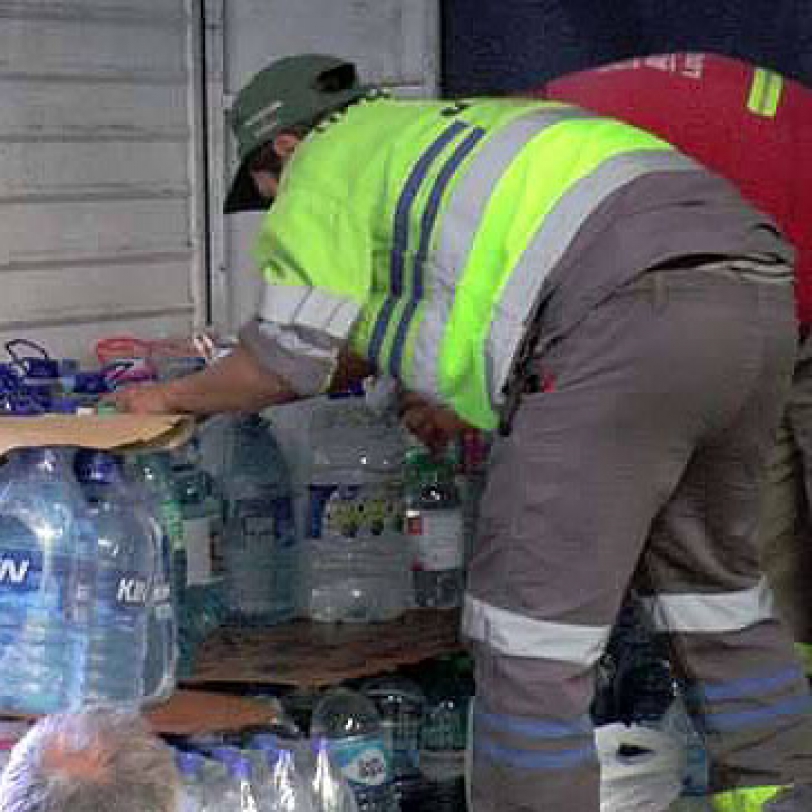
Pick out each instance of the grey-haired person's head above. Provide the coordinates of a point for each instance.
(90, 761)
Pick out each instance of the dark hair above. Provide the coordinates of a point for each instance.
(266, 159)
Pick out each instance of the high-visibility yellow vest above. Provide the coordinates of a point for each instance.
(424, 231)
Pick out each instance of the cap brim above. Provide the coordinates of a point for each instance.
(243, 195)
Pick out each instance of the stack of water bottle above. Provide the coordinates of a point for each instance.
(357, 559)
(86, 614)
(268, 773)
(425, 725)
(399, 741)
(387, 745)
(236, 556)
(385, 524)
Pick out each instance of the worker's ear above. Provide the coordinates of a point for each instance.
(285, 144)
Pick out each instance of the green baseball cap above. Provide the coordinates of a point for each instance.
(292, 91)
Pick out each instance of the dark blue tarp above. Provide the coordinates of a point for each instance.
(510, 45)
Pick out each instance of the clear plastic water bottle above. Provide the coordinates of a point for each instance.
(161, 659)
(331, 790)
(401, 704)
(444, 736)
(46, 574)
(152, 471)
(357, 561)
(241, 792)
(286, 787)
(353, 730)
(198, 564)
(261, 555)
(680, 724)
(434, 523)
(127, 552)
(193, 788)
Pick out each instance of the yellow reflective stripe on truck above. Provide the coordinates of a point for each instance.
(765, 93)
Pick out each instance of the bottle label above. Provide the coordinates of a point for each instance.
(23, 573)
(354, 511)
(172, 520)
(437, 537)
(20, 571)
(197, 538)
(123, 590)
(161, 593)
(362, 759)
(264, 523)
(402, 739)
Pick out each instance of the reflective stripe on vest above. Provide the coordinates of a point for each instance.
(745, 799)
(520, 636)
(711, 614)
(520, 296)
(765, 93)
(309, 307)
(400, 235)
(464, 345)
(468, 205)
(804, 652)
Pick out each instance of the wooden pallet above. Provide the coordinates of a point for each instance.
(313, 655)
(188, 712)
(191, 711)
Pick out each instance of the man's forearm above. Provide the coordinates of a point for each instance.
(236, 383)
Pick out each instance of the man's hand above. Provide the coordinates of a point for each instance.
(236, 383)
(142, 399)
(433, 425)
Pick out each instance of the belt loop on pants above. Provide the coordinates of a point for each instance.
(659, 293)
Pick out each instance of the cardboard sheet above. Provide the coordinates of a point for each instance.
(123, 432)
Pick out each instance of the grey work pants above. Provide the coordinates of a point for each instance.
(643, 464)
(786, 528)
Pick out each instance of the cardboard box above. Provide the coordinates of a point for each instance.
(120, 432)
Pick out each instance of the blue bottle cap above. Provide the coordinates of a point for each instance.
(86, 383)
(188, 764)
(224, 753)
(20, 406)
(240, 767)
(264, 741)
(64, 405)
(40, 368)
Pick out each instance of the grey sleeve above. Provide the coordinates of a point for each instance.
(305, 358)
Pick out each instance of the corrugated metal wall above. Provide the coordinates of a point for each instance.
(101, 221)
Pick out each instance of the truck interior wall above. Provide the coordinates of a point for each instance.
(511, 45)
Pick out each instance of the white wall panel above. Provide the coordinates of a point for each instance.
(99, 176)
(97, 166)
(101, 224)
